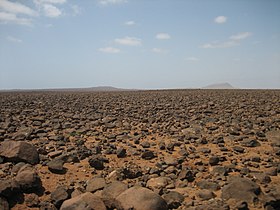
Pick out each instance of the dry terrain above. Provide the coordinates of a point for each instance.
(141, 150)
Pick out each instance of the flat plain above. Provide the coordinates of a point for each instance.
(142, 150)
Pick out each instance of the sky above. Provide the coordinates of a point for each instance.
(141, 44)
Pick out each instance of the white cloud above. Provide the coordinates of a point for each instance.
(233, 41)
(12, 18)
(50, 1)
(163, 36)
(109, 50)
(51, 11)
(241, 36)
(220, 19)
(130, 23)
(130, 41)
(16, 8)
(13, 39)
(159, 50)
(108, 2)
(192, 59)
(226, 44)
(15, 12)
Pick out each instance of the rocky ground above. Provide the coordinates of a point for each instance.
(141, 150)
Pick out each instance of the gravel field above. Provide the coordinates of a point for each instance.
(141, 150)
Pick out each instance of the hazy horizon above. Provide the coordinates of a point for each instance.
(135, 44)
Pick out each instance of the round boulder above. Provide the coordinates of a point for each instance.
(140, 198)
(84, 201)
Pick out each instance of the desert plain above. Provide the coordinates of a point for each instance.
(140, 150)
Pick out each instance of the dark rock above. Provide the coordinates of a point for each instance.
(86, 201)
(59, 195)
(8, 188)
(121, 152)
(139, 198)
(250, 143)
(148, 155)
(71, 157)
(83, 152)
(238, 149)
(260, 134)
(241, 189)
(186, 174)
(96, 162)
(95, 184)
(214, 160)
(256, 159)
(96, 150)
(170, 146)
(161, 145)
(28, 180)
(56, 166)
(19, 151)
(173, 199)
(131, 171)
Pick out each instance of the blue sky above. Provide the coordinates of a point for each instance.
(139, 43)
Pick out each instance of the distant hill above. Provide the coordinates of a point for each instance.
(89, 89)
(104, 88)
(219, 86)
(94, 89)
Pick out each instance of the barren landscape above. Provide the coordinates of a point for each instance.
(141, 150)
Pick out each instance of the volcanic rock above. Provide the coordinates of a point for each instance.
(28, 180)
(17, 151)
(84, 201)
(121, 152)
(111, 192)
(95, 184)
(59, 195)
(173, 199)
(140, 198)
(56, 166)
(148, 155)
(241, 189)
(96, 162)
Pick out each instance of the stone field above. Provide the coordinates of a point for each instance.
(140, 150)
